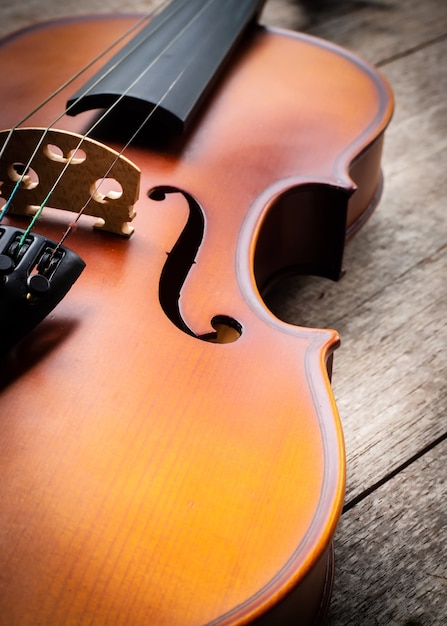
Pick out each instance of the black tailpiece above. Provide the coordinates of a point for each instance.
(34, 277)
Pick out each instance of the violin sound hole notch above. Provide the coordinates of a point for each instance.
(226, 330)
(177, 267)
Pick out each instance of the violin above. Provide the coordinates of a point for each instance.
(171, 452)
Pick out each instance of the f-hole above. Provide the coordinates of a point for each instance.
(177, 267)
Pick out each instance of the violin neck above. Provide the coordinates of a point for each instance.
(170, 66)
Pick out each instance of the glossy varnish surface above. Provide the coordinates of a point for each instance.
(148, 476)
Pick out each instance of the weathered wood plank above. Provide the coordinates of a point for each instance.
(376, 29)
(392, 551)
(15, 15)
(402, 404)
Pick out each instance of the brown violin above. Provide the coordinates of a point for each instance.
(171, 452)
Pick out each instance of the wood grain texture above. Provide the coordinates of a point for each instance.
(390, 376)
(393, 551)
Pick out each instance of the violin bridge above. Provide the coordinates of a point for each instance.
(90, 177)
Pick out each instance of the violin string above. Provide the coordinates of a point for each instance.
(72, 226)
(146, 119)
(104, 116)
(79, 73)
(73, 104)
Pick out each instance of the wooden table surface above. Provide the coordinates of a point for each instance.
(390, 374)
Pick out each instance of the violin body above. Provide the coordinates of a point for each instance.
(149, 475)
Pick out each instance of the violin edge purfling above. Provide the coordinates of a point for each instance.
(152, 476)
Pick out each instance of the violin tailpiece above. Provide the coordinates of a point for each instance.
(91, 177)
(34, 277)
